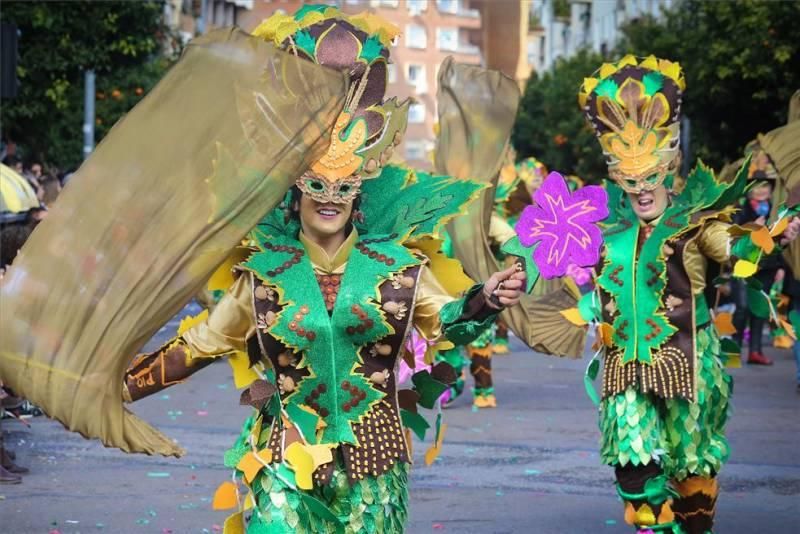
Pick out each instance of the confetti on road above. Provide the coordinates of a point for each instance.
(438, 526)
(611, 522)
(164, 397)
(532, 472)
(158, 474)
(499, 493)
(202, 412)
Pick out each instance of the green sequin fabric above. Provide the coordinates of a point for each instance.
(485, 339)
(372, 505)
(685, 438)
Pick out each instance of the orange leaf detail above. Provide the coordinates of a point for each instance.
(226, 496)
(724, 324)
(763, 240)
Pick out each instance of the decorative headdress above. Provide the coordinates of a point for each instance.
(532, 173)
(368, 128)
(635, 110)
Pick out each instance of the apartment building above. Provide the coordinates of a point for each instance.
(559, 28)
(492, 33)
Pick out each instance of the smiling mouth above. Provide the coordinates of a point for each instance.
(328, 212)
(645, 203)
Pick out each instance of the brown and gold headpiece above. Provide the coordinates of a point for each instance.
(635, 109)
(368, 128)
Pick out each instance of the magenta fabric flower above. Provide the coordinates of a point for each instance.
(563, 226)
(416, 345)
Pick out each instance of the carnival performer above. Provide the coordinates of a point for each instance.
(323, 307)
(664, 391)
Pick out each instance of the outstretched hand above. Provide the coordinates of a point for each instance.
(791, 232)
(504, 288)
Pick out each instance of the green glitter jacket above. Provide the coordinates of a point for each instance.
(651, 284)
(328, 332)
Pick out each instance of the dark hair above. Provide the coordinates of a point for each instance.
(12, 237)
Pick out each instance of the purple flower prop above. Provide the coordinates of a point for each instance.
(564, 225)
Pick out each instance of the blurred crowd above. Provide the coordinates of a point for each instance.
(27, 192)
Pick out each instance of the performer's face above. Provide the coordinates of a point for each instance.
(649, 205)
(323, 220)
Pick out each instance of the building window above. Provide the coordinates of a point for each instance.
(416, 113)
(392, 70)
(415, 75)
(416, 7)
(447, 39)
(416, 36)
(415, 150)
(447, 6)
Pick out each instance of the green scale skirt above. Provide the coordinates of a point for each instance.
(684, 438)
(372, 505)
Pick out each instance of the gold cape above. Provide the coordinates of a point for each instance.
(171, 190)
(477, 109)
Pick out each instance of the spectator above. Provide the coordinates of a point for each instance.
(51, 186)
(756, 209)
(12, 238)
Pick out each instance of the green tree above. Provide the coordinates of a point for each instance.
(122, 41)
(741, 61)
(550, 125)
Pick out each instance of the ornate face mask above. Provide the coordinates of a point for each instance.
(635, 109)
(325, 191)
(638, 183)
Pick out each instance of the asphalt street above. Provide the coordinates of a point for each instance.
(529, 466)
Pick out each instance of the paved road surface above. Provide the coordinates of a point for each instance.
(530, 466)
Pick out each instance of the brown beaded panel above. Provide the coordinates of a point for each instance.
(380, 435)
(283, 360)
(671, 373)
(381, 443)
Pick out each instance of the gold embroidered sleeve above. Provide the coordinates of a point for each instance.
(225, 331)
(438, 315)
(431, 297)
(228, 327)
(714, 241)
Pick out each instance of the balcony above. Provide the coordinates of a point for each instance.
(456, 7)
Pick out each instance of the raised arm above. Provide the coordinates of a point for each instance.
(460, 321)
(225, 331)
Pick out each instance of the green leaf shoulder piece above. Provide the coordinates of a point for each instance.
(413, 203)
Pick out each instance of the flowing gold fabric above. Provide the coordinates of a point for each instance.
(158, 206)
(783, 147)
(477, 109)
